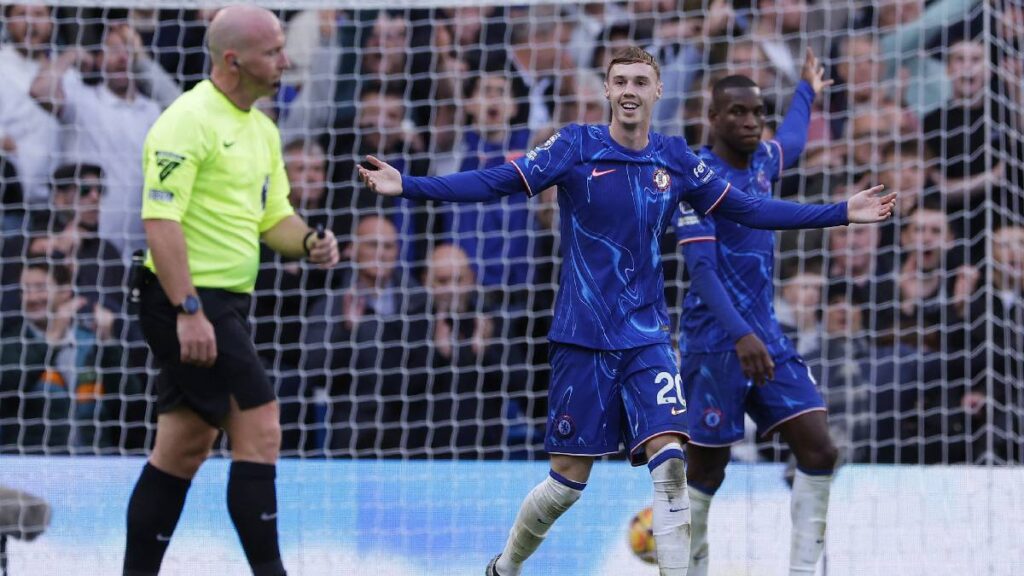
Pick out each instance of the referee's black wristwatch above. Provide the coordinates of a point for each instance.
(190, 306)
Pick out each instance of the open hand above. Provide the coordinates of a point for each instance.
(866, 206)
(814, 73)
(385, 180)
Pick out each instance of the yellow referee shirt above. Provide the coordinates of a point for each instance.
(218, 171)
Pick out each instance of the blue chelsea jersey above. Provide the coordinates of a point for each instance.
(746, 258)
(615, 203)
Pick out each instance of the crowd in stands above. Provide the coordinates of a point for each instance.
(429, 340)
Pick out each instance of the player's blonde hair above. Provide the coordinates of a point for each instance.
(634, 55)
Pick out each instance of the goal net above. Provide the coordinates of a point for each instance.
(428, 342)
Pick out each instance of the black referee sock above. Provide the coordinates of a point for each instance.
(153, 512)
(252, 503)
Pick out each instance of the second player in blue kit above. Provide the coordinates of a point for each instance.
(735, 358)
(614, 373)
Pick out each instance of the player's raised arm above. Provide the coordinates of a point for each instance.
(791, 136)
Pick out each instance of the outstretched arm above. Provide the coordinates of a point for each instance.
(761, 212)
(473, 186)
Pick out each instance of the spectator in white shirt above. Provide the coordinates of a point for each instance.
(106, 125)
(28, 135)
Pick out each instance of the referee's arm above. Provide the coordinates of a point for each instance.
(292, 238)
(167, 247)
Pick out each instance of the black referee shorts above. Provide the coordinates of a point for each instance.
(237, 372)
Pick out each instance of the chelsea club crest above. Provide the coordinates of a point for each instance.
(662, 180)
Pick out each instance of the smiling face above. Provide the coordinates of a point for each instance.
(632, 89)
(41, 295)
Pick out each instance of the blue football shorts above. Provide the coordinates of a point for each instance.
(601, 399)
(718, 394)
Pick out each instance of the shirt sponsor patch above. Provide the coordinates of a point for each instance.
(532, 154)
(703, 173)
(161, 195)
(168, 163)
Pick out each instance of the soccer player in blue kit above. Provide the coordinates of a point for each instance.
(735, 359)
(614, 376)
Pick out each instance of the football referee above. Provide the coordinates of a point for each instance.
(215, 185)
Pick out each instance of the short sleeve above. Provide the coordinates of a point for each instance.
(547, 164)
(692, 227)
(173, 151)
(702, 188)
(277, 207)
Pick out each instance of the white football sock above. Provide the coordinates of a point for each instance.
(808, 509)
(671, 520)
(542, 506)
(700, 503)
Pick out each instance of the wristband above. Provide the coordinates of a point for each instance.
(305, 241)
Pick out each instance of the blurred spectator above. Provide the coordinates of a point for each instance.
(933, 282)
(385, 132)
(859, 73)
(375, 368)
(969, 169)
(12, 198)
(869, 390)
(591, 19)
(287, 291)
(58, 373)
(784, 29)
(71, 228)
(872, 130)
(747, 58)
(1001, 336)
(106, 124)
(326, 100)
(475, 376)
(908, 29)
(903, 170)
(28, 135)
(174, 39)
(799, 304)
(589, 104)
(543, 70)
(495, 235)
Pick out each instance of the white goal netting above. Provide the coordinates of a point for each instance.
(913, 329)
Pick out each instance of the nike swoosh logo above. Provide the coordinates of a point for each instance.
(162, 538)
(543, 522)
(678, 412)
(265, 517)
(229, 144)
(598, 173)
(677, 509)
